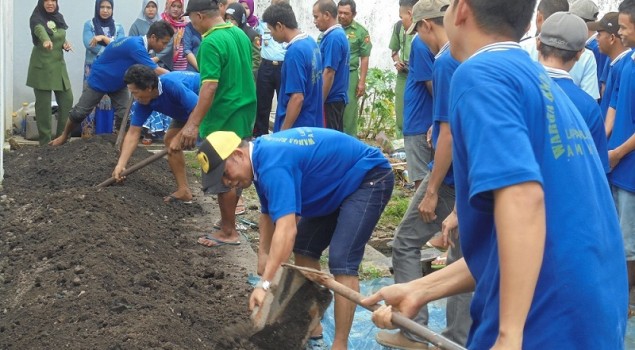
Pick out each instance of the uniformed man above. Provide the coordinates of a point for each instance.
(400, 46)
(360, 46)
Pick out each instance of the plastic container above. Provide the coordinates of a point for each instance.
(19, 119)
(30, 129)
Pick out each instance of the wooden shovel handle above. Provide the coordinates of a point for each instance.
(136, 167)
(398, 319)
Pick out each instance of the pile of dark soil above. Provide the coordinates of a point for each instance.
(114, 268)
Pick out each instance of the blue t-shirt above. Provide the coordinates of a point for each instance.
(301, 73)
(178, 95)
(443, 70)
(589, 110)
(623, 175)
(106, 74)
(615, 76)
(336, 55)
(600, 58)
(417, 101)
(310, 171)
(510, 125)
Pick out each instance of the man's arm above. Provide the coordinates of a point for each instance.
(616, 155)
(294, 106)
(609, 121)
(129, 145)
(442, 163)
(519, 215)
(363, 72)
(189, 133)
(266, 228)
(160, 71)
(328, 76)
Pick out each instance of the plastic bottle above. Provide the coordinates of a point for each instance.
(19, 121)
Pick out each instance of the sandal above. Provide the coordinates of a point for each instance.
(439, 262)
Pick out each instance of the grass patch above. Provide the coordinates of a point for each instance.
(191, 163)
(395, 209)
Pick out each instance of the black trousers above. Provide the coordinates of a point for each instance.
(267, 82)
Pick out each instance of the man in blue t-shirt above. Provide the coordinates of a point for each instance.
(174, 94)
(622, 142)
(537, 226)
(417, 114)
(300, 98)
(434, 199)
(560, 44)
(336, 186)
(106, 74)
(611, 45)
(335, 63)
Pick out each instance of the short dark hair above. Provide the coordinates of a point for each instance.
(327, 6)
(510, 18)
(350, 3)
(436, 20)
(549, 7)
(142, 76)
(627, 7)
(160, 29)
(550, 51)
(407, 3)
(280, 13)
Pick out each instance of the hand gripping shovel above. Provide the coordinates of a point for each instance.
(136, 167)
(399, 320)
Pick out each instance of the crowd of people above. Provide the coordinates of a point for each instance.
(520, 148)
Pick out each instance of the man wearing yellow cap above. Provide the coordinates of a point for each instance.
(318, 188)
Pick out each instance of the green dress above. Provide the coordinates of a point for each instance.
(47, 72)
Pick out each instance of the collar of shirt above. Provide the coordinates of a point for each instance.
(251, 159)
(633, 56)
(443, 49)
(218, 26)
(620, 56)
(591, 38)
(332, 28)
(500, 46)
(353, 25)
(145, 42)
(160, 88)
(296, 38)
(556, 73)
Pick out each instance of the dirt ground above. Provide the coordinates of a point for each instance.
(115, 268)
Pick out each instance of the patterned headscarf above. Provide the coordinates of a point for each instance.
(178, 25)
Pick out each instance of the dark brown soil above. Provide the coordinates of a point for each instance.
(115, 268)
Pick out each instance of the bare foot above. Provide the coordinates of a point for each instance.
(60, 140)
(182, 196)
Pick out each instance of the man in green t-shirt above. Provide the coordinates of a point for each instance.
(400, 46)
(227, 102)
(360, 46)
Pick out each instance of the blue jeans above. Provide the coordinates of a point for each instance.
(347, 230)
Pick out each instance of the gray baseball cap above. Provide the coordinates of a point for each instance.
(427, 9)
(585, 9)
(564, 30)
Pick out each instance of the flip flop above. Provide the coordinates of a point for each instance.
(172, 199)
(240, 209)
(218, 242)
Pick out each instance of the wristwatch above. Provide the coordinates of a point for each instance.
(265, 285)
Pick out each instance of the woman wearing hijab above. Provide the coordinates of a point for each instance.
(47, 69)
(148, 15)
(235, 13)
(173, 14)
(99, 31)
(249, 7)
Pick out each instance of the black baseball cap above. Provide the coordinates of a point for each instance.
(200, 5)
